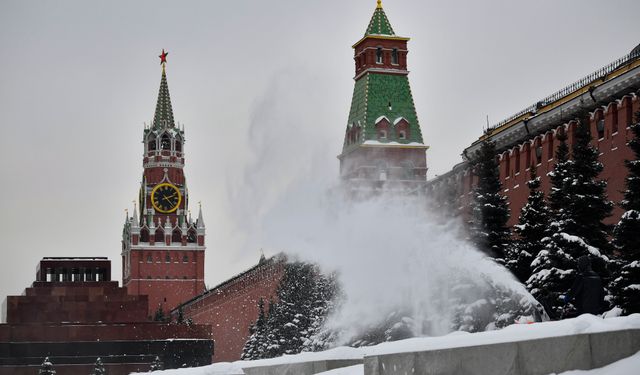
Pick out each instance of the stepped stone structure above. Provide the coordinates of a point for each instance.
(74, 313)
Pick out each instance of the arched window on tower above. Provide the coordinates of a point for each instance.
(159, 237)
(176, 236)
(379, 55)
(394, 56)
(151, 144)
(165, 142)
(178, 144)
(191, 236)
(144, 235)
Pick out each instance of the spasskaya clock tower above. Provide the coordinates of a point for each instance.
(163, 249)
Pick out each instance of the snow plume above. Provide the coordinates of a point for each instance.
(394, 256)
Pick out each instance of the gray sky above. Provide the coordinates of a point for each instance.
(79, 78)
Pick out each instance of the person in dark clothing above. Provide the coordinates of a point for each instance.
(587, 289)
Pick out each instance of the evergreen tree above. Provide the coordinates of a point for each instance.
(159, 315)
(326, 297)
(559, 178)
(253, 348)
(587, 202)
(180, 317)
(294, 322)
(626, 284)
(46, 368)
(579, 205)
(156, 365)
(489, 209)
(290, 317)
(533, 226)
(98, 368)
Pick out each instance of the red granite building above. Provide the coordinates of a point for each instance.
(74, 313)
(607, 100)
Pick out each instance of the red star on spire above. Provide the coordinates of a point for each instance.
(163, 57)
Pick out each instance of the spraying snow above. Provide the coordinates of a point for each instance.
(392, 253)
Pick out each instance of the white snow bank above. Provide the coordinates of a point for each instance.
(517, 332)
(627, 366)
(222, 368)
(351, 370)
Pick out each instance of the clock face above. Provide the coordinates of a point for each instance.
(165, 198)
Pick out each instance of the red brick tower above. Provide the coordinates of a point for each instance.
(163, 249)
(383, 145)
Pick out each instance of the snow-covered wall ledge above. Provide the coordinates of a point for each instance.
(583, 343)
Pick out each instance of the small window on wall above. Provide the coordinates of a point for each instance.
(167, 258)
(382, 134)
(379, 55)
(149, 258)
(394, 56)
(402, 134)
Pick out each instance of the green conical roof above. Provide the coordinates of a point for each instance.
(379, 24)
(376, 95)
(164, 113)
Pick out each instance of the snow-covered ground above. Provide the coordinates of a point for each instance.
(516, 332)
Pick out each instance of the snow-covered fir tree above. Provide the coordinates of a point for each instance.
(626, 284)
(578, 203)
(303, 300)
(46, 368)
(587, 202)
(98, 368)
(532, 227)
(490, 212)
(254, 347)
(560, 177)
(157, 364)
(180, 317)
(159, 315)
(489, 305)
(326, 298)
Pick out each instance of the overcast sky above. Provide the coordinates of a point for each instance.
(78, 79)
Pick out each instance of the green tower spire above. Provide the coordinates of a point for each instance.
(379, 24)
(164, 113)
(383, 139)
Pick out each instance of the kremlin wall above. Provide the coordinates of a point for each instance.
(607, 100)
(74, 312)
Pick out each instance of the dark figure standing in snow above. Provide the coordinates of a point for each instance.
(587, 290)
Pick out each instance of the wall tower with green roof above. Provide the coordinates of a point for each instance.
(383, 142)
